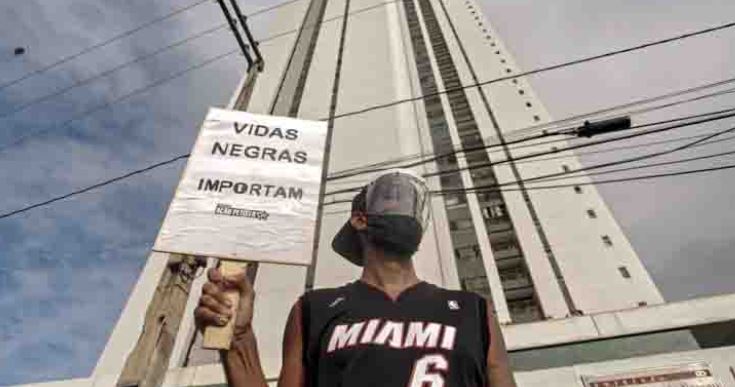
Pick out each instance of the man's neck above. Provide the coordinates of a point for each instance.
(393, 276)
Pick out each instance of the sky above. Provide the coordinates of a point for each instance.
(67, 269)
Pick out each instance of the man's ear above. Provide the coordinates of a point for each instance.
(358, 220)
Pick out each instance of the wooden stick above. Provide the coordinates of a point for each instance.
(221, 337)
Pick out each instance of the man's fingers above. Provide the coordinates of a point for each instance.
(215, 305)
(239, 282)
(212, 290)
(215, 275)
(206, 317)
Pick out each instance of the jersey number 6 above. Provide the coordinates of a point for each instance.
(427, 371)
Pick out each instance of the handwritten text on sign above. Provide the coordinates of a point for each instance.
(250, 190)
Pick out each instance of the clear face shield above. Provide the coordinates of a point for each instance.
(399, 192)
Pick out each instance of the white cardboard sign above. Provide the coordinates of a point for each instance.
(250, 190)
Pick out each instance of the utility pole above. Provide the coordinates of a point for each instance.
(147, 364)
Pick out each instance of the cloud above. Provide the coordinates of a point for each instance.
(66, 270)
(677, 225)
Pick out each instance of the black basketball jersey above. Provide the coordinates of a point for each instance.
(356, 336)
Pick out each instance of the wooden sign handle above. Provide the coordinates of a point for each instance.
(221, 337)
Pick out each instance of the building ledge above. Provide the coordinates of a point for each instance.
(646, 319)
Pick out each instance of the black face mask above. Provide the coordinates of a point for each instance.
(398, 235)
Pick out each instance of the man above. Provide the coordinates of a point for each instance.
(388, 328)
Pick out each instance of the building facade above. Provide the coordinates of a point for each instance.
(566, 283)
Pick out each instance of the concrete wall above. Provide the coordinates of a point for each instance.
(721, 361)
(590, 268)
(378, 68)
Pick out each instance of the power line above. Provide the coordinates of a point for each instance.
(541, 69)
(180, 157)
(534, 155)
(585, 145)
(92, 187)
(327, 20)
(272, 8)
(598, 182)
(102, 44)
(103, 74)
(366, 171)
(578, 117)
(631, 159)
(558, 186)
(617, 109)
(213, 29)
(608, 164)
(644, 145)
(131, 32)
(120, 98)
(135, 60)
(606, 150)
(645, 166)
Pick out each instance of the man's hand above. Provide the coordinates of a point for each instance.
(215, 309)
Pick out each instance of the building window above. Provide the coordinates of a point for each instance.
(624, 271)
(496, 211)
(606, 240)
(591, 213)
(461, 224)
(642, 303)
(524, 310)
(565, 168)
(454, 200)
(469, 252)
(577, 189)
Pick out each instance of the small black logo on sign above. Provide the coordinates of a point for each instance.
(228, 210)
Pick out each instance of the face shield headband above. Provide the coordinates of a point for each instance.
(401, 193)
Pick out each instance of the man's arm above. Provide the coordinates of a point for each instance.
(242, 361)
(499, 373)
(292, 369)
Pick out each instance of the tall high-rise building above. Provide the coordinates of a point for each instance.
(396, 80)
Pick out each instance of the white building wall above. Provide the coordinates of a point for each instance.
(590, 268)
(378, 67)
(374, 71)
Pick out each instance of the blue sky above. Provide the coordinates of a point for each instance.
(66, 269)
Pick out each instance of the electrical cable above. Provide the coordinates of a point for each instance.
(105, 73)
(215, 28)
(362, 182)
(272, 8)
(609, 164)
(585, 145)
(553, 151)
(101, 44)
(221, 26)
(394, 103)
(119, 99)
(625, 147)
(180, 157)
(588, 115)
(131, 32)
(619, 109)
(557, 186)
(598, 182)
(539, 70)
(92, 187)
(652, 165)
